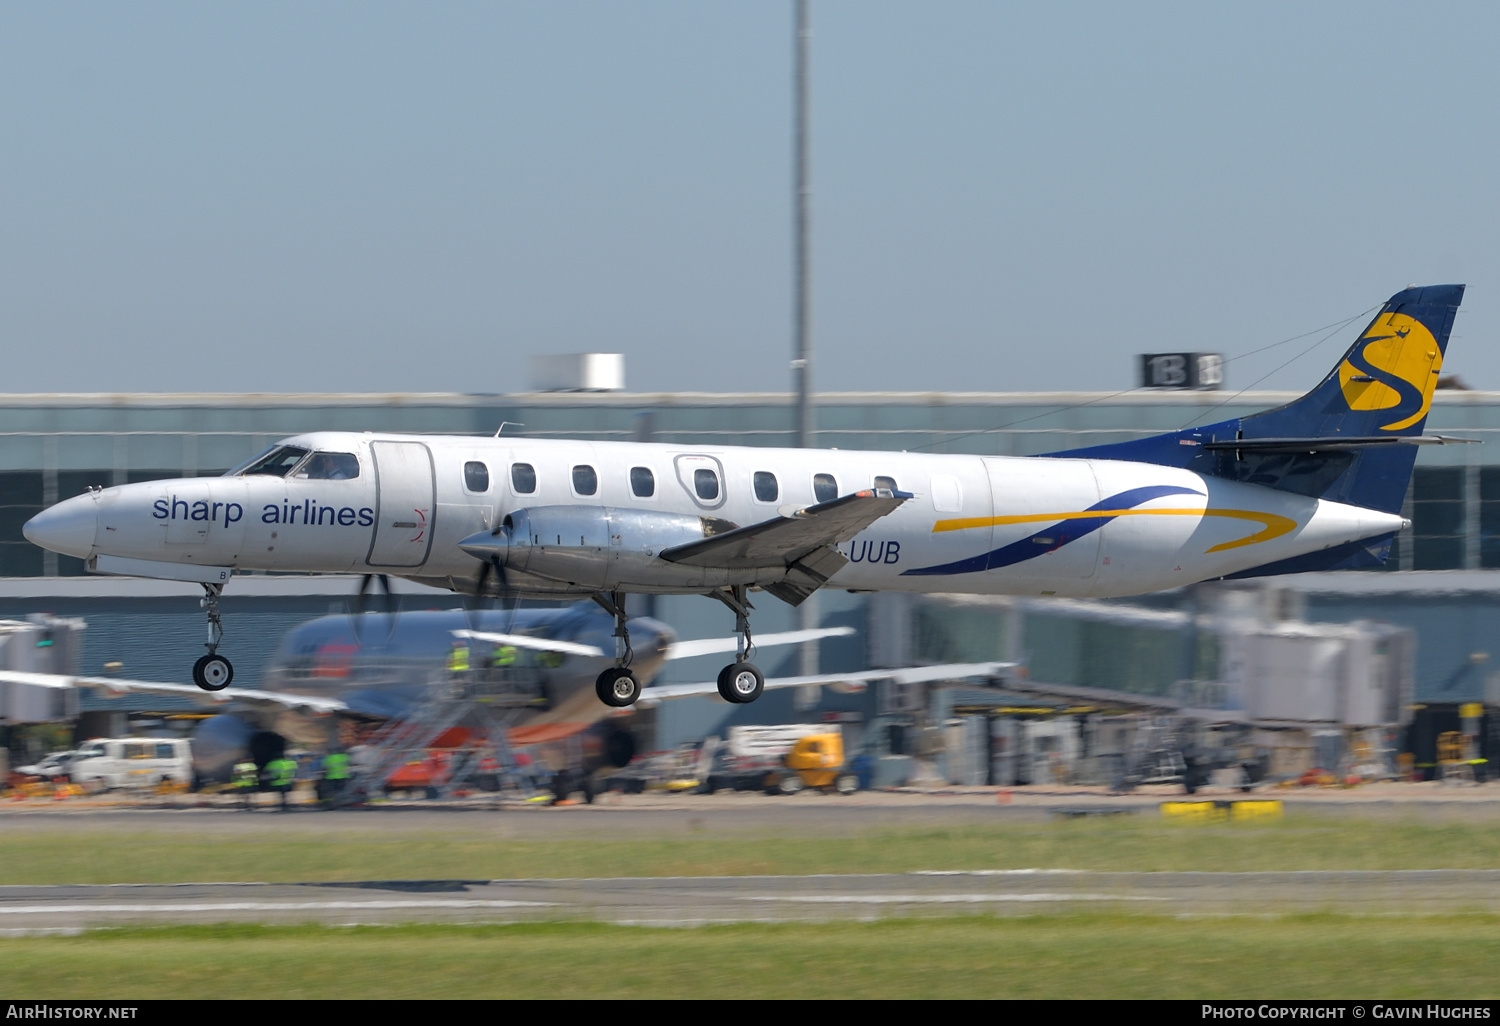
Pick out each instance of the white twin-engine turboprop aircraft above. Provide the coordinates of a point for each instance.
(1314, 485)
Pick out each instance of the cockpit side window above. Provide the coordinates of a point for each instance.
(276, 463)
(330, 466)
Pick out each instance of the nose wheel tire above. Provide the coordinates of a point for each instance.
(741, 683)
(617, 687)
(213, 673)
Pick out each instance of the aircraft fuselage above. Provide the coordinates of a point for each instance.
(992, 525)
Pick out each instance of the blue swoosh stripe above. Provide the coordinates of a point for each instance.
(1052, 538)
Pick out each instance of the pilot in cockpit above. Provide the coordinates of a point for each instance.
(331, 466)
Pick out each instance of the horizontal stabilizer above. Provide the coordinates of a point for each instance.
(1334, 444)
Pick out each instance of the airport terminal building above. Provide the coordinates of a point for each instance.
(56, 446)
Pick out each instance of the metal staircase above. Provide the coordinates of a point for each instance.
(486, 702)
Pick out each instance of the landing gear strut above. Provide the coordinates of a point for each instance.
(741, 682)
(213, 672)
(618, 686)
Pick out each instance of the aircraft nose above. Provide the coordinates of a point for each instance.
(69, 527)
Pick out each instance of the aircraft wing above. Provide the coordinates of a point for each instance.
(800, 541)
(714, 646)
(117, 686)
(954, 672)
(791, 535)
(526, 641)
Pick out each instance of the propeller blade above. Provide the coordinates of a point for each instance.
(359, 606)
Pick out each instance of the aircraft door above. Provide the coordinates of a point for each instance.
(405, 510)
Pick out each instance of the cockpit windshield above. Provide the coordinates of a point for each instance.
(276, 462)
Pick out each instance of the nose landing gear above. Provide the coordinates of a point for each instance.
(213, 672)
(741, 682)
(617, 686)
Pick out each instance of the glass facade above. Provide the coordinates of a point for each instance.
(53, 447)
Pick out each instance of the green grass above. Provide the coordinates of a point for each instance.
(1077, 956)
(104, 855)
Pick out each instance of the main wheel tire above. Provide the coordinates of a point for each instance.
(847, 783)
(617, 687)
(213, 673)
(741, 683)
(789, 784)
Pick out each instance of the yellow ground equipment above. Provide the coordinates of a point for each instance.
(816, 760)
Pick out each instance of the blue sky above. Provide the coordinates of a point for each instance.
(373, 197)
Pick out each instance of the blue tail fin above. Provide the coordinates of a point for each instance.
(1342, 440)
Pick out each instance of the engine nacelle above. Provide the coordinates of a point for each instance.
(601, 548)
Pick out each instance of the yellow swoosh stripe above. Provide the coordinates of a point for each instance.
(1272, 524)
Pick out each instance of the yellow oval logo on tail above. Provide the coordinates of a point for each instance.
(1395, 366)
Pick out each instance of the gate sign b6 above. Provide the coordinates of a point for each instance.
(1182, 370)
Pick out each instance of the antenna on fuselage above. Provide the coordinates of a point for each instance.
(503, 425)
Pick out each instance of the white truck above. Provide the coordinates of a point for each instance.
(132, 762)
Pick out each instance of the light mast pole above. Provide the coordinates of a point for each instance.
(802, 315)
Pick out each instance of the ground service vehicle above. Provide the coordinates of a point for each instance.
(133, 762)
(814, 761)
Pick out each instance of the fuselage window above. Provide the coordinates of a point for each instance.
(766, 488)
(642, 482)
(706, 484)
(825, 488)
(523, 478)
(585, 481)
(886, 482)
(476, 476)
(277, 462)
(330, 466)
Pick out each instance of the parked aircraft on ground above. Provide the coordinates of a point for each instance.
(373, 668)
(1313, 485)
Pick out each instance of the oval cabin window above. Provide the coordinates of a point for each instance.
(706, 484)
(642, 482)
(585, 481)
(523, 478)
(766, 487)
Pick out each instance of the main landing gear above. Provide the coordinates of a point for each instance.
(741, 682)
(617, 686)
(213, 672)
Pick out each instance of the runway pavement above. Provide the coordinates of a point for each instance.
(684, 901)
